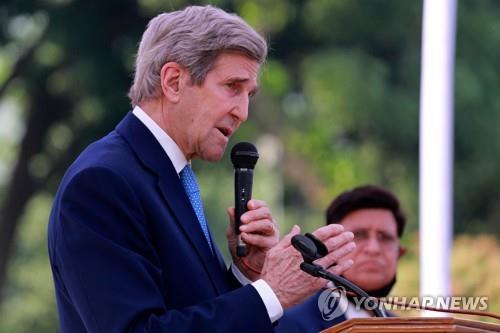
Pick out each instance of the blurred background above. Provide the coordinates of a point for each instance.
(338, 107)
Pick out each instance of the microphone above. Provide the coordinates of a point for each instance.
(244, 155)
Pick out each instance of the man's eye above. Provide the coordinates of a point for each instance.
(360, 235)
(385, 237)
(234, 87)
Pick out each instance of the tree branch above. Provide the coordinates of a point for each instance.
(23, 185)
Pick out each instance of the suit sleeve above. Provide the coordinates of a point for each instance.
(109, 270)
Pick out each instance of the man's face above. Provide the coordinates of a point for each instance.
(377, 247)
(207, 115)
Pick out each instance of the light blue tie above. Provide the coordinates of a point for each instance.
(188, 180)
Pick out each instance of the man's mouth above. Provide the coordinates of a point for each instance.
(226, 131)
(370, 265)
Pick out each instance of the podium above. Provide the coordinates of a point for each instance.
(397, 324)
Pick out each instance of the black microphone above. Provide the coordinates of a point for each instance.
(244, 155)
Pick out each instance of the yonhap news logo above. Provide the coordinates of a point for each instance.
(332, 303)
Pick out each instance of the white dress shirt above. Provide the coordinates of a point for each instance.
(174, 153)
(353, 312)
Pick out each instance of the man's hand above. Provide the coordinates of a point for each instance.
(258, 231)
(282, 265)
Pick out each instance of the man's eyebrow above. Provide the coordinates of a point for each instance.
(237, 79)
(243, 80)
(359, 229)
(385, 233)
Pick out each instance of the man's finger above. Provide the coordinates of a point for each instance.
(287, 239)
(341, 267)
(337, 241)
(260, 213)
(336, 256)
(230, 213)
(264, 242)
(254, 204)
(265, 227)
(328, 231)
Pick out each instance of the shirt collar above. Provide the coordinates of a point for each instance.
(172, 150)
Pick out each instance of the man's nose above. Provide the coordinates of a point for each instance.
(240, 110)
(372, 245)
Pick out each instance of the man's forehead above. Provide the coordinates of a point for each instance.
(368, 228)
(370, 219)
(237, 63)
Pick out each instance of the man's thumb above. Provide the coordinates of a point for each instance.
(287, 239)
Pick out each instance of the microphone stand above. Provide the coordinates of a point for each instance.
(318, 271)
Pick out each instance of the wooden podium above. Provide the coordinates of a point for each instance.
(397, 324)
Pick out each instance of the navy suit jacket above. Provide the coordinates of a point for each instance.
(127, 252)
(306, 317)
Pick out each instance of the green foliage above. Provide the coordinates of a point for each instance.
(29, 305)
(474, 270)
(268, 17)
(477, 118)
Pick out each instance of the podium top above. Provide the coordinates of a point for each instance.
(417, 325)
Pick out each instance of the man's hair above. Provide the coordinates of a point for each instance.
(192, 37)
(368, 196)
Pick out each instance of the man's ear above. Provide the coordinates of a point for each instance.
(401, 251)
(170, 79)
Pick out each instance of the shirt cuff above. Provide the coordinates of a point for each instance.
(273, 305)
(239, 275)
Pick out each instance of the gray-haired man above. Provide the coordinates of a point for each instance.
(129, 245)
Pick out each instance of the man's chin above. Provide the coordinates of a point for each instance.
(368, 279)
(373, 282)
(213, 155)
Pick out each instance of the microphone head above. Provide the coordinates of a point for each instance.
(309, 246)
(305, 246)
(244, 155)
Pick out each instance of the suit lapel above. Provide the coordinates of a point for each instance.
(220, 258)
(149, 151)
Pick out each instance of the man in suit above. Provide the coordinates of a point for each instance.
(129, 245)
(375, 217)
